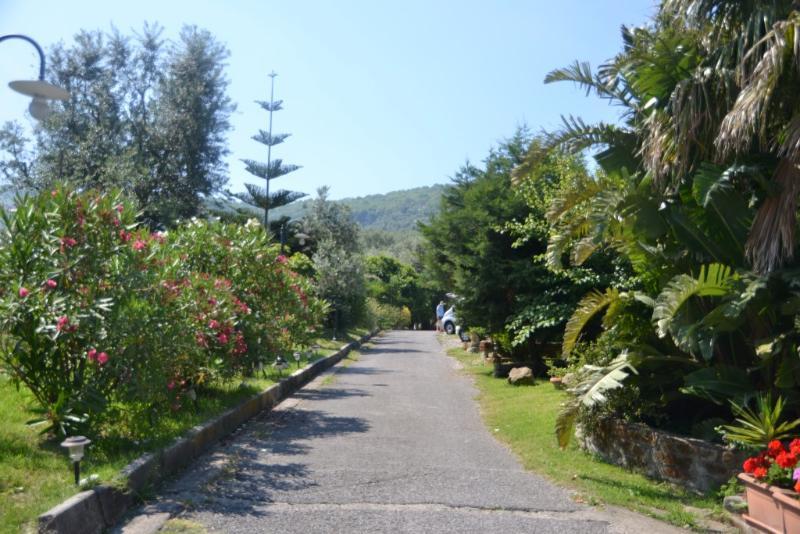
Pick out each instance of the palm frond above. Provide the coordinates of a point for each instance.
(762, 71)
(772, 236)
(580, 73)
(595, 383)
(575, 135)
(589, 306)
(713, 280)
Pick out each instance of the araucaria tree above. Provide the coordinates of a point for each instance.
(273, 168)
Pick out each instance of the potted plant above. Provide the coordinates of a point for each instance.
(772, 481)
(771, 477)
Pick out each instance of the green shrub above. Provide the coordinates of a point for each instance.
(386, 316)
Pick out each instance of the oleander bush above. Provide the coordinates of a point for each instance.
(97, 312)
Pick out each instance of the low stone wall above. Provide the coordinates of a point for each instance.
(692, 463)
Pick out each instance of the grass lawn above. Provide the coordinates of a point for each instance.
(524, 418)
(35, 472)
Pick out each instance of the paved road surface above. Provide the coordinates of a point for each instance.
(394, 443)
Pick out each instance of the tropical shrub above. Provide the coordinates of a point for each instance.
(697, 189)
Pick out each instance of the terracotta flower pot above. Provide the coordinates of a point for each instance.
(790, 507)
(763, 510)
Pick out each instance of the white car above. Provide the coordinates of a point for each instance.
(450, 321)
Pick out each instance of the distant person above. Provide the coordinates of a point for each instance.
(439, 315)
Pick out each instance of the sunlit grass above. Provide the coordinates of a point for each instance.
(524, 418)
(35, 472)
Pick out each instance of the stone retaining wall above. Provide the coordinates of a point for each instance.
(692, 463)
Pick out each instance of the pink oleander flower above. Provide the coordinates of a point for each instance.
(139, 245)
(222, 338)
(91, 355)
(68, 242)
(62, 323)
(51, 284)
(102, 358)
(115, 222)
(213, 324)
(119, 208)
(23, 292)
(124, 236)
(171, 385)
(281, 259)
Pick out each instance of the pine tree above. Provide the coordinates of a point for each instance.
(274, 168)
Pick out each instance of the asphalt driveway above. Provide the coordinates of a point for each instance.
(392, 443)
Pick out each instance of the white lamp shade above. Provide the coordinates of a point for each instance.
(39, 88)
(75, 446)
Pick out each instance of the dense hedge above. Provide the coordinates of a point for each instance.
(96, 311)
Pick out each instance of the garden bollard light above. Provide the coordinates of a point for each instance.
(75, 446)
(297, 358)
(280, 364)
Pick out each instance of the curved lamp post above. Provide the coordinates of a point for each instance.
(40, 90)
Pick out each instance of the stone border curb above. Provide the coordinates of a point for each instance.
(95, 510)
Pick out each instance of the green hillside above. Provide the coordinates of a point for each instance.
(389, 221)
(395, 211)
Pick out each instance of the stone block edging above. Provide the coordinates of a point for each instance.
(689, 462)
(100, 508)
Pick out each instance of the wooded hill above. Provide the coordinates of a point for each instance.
(395, 211)
(388, 221)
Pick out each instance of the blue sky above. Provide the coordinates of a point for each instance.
(378, 96)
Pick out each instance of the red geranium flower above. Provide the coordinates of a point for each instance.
(750, 465)
(786, 460)
(774, 448)
(794, 447)
(760, 472)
